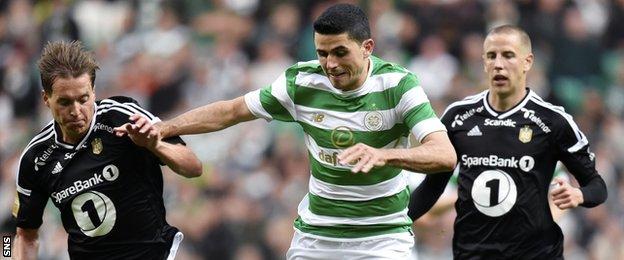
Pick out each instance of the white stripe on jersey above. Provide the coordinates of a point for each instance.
(580, 137)
(466, 101)
(41, 137)
(426, 127)
(320, 220)
(133, 108)
(252, 100)
(44, 135)
(410, 99)
(357, 192)
(374, 83)
(23, 191)
(280, 92)
(352, 120)
(315, 150)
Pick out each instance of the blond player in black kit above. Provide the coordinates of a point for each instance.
(508, 141)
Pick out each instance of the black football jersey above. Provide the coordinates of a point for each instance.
(107, 189)
(506, 162)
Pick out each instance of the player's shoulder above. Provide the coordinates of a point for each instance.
(41, 142)
(311, 67)
(119, 108)
(552, 114)
(381, 67)
(468, 103)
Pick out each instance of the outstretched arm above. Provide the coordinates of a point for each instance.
(208, 118)
(177, 156)
(434, 155)
(26, 243)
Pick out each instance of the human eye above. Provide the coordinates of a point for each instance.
(322, 53)
(509, 54)
(341, 53)
(64, 102)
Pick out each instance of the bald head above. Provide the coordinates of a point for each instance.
(525, 41)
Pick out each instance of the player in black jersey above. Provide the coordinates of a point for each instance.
(108, 189)
(508, 141)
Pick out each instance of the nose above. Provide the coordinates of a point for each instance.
(332, 63)
(74, 110)
(498, 63)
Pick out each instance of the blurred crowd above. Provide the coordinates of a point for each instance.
(172, 56)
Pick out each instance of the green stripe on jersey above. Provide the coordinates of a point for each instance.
(376, 139)
(346, 177)
(353, 209)
(419, 113)
(276, 110)
(381, 66)
(351, 231)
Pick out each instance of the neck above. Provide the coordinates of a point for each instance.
(505, 101)
(363, 76)
(71, 139)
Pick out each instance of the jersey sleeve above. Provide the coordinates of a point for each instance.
(30, 199)
(575, 155)
(124, 107)
(274, 101)
(415, 109)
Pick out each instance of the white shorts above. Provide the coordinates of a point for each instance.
(392, 246)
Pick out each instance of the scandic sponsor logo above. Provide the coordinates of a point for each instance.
(491, 160)
(496, 122)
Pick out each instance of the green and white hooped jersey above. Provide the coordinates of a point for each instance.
(381, 114)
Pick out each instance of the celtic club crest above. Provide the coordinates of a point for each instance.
(373, 121)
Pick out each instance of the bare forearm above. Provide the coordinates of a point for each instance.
(26, 249)
(179, 158)
(427, 158)
(208, 118)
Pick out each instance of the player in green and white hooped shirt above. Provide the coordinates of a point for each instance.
(357, 112)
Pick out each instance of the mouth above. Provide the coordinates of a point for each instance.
(75, 123)
(500, 80)
(336, 75)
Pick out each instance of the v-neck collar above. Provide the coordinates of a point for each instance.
(509, 112)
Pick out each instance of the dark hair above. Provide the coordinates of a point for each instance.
(343, 18)
(512, 29)
(63, 60)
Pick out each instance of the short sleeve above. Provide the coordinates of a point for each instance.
(30, 198)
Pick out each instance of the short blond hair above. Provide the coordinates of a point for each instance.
(512, 29)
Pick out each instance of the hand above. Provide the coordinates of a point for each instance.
(366, 157)
(564, 196)
(141, 131)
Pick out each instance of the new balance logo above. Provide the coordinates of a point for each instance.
(475, 131)
(58, 168)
